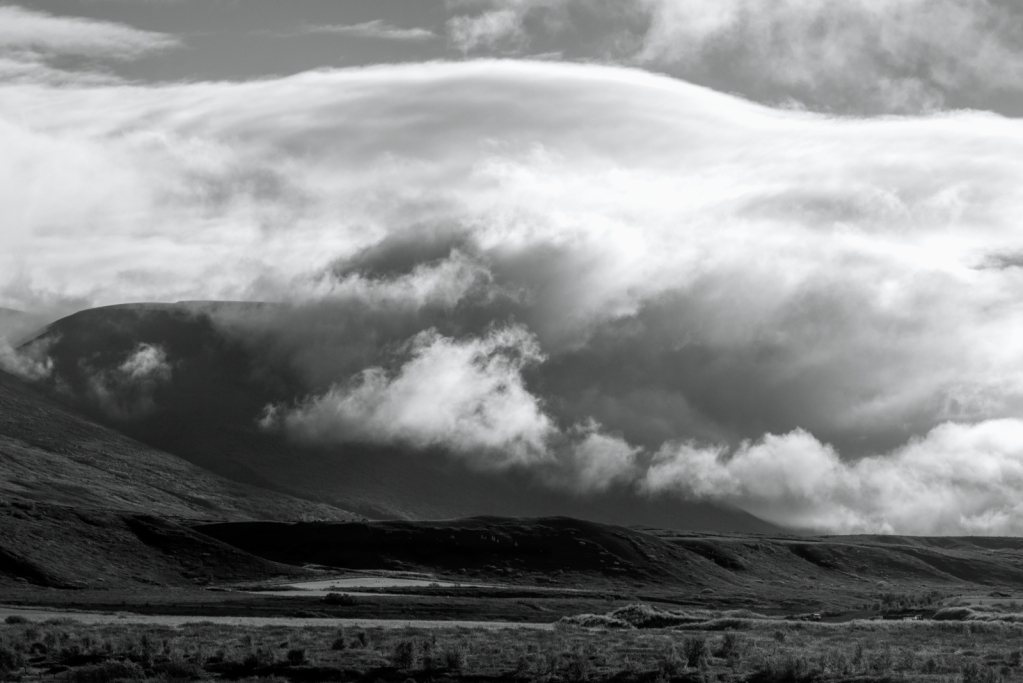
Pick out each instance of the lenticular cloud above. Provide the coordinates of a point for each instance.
(621, 280)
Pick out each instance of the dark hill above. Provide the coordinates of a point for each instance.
(51, 454)
(60, 547)
(790, 573)
(207, 413)
(488, 546)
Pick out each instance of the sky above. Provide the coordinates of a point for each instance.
(764, 253)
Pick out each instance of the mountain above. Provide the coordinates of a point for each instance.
(215, 387)
(49, 453)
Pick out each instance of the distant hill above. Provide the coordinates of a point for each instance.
(49, 453)
(763, 573)
(207, 413)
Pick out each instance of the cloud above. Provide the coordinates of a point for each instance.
(956, 479)
(128, 391)
(372, 29)
(31, 31)
(487, 30)
(32, 365)
(466, 395)
(836, 55)
(694, 267)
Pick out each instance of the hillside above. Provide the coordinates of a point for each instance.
(60, 547)
(787, 573)
(207, 411)
(51, 454)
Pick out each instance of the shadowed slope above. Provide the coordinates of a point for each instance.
(217, 385)
(59, 547)
(49, 453)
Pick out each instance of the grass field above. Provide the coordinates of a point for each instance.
(706, 647)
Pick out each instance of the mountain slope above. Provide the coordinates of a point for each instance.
(215, 387)
(51, 454)
(56, 546)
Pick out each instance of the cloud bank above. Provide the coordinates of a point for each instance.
(616, 274)
(957, 477)
(837, 55)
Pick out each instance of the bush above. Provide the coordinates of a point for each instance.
(296, 657)
(696, 652)
(730, 646)
(15, 619)
(339, 644)
(954, 614)
(579, 665)
(645, 616)
(10, 660)
(978, 673)
(454, 658)
(596, 621)
(789, 669)
(179, 669)
(339, 599)
(670, 664)
(258, 659)
(404, 654)
(106, 672)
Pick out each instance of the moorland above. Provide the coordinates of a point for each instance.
(187, 545)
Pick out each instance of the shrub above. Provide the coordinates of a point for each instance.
(15, 619)
(978, 673)
(10, 660)
(404, 654)
(258, 659)
(339, 643)
(670, 664)
(645, 616)
(106, 672)
(596, 621)
(729, 647)
(788, 669)
(179, 669)
(954, 614)
(579, 666)
(296, 657)
(339, 599)
(454, 658)
(696, 651)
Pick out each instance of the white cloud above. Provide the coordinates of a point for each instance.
(372, 29)
(957, 479)
(691, 263)
(487, 30)
(128, 390)
(838, 55)
(466, 395)
(31, 31)
(31, 365)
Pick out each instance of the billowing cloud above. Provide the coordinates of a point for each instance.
(31, 366)
(694, 268)
(956, 479)
(468, 396)
(127, 391)
(838, 55)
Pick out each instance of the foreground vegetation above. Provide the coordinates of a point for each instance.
(727, 648)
